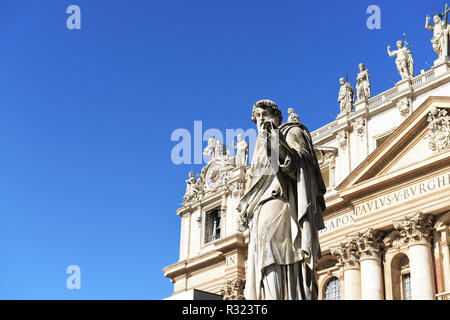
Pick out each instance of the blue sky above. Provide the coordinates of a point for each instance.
(86, 116)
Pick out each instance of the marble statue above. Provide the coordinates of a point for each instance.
(404, 60)
(363, 83)
(293, 117)
(190, 184)
(346, 96)
(241, 148)
(210, 148)
(283, 210)
(440, 35)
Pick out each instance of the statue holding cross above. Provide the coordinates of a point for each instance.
(440, 40)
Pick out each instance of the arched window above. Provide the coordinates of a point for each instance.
(401, 279)
(333, 289)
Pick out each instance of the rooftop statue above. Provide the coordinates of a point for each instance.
(346, 96)
(404, 60)
(363, 83)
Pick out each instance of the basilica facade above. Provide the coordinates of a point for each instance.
(385, 161)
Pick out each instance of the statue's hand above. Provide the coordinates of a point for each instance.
(427, 18)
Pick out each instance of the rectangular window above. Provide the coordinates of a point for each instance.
(406, 286)
(212, 225)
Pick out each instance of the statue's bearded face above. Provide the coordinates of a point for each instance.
(436, 19)
(264, 117)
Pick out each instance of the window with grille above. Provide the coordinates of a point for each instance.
(406, 286)
(212, 225)
(333, 289)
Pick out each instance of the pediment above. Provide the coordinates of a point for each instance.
(405, 151)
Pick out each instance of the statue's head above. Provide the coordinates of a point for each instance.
(191, 175)
(362, 67)
(266, 111)
(341, 80)
(399, 44)
(211, 141)
(240, 137)
(436, 19)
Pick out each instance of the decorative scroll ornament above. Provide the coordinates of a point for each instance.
(439, 129)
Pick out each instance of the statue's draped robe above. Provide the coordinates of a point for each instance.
(285, 212)
(440, 38)
(345, 97)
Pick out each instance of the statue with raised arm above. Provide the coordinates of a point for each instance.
(241, 148)
(346, 96)
(363, 83)
(440, 38)
(283, 209)
(404, 60)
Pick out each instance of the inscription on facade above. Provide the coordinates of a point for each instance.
(387, 200)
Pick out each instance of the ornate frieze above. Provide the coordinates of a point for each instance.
(415, 229)
(439, 129)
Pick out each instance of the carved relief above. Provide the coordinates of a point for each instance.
(404, 108)
(360, 127)
(370, 243)
(347, 253)
(417, 228)
(439, 129)
(233, 290)
(342, 139)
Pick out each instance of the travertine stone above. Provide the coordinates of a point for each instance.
(370, 246)
(415, 231)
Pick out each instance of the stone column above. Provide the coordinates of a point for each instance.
(370, 246)
(445, 259)
(416, 232)
(348, 257)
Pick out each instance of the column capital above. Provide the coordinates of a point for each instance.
(370, 244)
(233, 290)
(415, 229)
(347, 253)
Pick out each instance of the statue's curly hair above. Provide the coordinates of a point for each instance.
(271, 107)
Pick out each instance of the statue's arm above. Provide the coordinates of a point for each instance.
(427, 24)
(391, 53)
